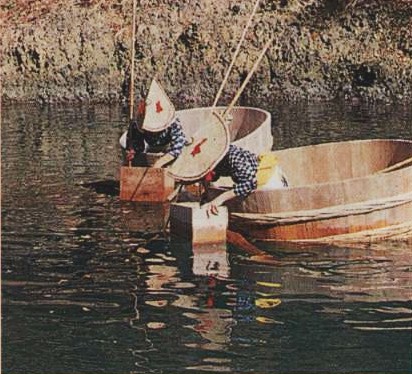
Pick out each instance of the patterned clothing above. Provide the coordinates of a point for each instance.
(241, 165)
(173, 137)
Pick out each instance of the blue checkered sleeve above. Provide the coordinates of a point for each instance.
(243, 165)
(178, 138)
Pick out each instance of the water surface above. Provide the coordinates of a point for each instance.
(91, 284)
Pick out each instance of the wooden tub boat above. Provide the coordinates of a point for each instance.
(250, 128)
(355, 191)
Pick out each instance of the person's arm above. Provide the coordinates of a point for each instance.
(177, 142)
(243, 169)
(212, 206)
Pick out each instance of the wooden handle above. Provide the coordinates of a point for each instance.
(235, 54)
(396, 166)
(246, 81)
(175, 192)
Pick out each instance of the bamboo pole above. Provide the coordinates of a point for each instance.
(398, 165)
(246, 81)
(235, 54)
(131, 106)
(132, 53)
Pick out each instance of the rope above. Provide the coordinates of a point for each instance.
(138, 183)
(400, 232)
(335, 211)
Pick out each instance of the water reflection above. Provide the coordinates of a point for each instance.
(377, 275)
(91, 283)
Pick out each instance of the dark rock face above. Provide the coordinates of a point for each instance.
(77, 50)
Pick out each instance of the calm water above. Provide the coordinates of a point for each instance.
(91, 284)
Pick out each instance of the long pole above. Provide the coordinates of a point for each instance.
(132, 53)
(397, 165)
(235, 54)
(242, 87)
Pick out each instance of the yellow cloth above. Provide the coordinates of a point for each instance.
(267, 162)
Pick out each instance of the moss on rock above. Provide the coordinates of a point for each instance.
(78, 50)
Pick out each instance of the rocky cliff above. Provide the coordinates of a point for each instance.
(77, 50)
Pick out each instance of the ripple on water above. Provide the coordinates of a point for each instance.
(92, 277)
(389, 318)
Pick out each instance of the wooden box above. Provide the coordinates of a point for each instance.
(189, 222)
(145, 184)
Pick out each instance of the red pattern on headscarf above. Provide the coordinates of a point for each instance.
(196, 149)
(210, 176)
(158, 107)
(141, 108)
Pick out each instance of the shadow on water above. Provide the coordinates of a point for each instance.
(92, 284)
(107, 187)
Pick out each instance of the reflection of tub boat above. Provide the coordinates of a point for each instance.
(338, 274)
(338, 192)
(250, 128)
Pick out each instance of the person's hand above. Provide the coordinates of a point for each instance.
(130, 153)
(211, 208)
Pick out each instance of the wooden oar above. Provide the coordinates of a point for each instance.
(257, 255)
(246, 81)
(235, 54)
(240, 241)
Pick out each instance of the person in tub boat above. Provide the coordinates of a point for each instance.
(248, 172)
(155, 129)
(211, 156)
